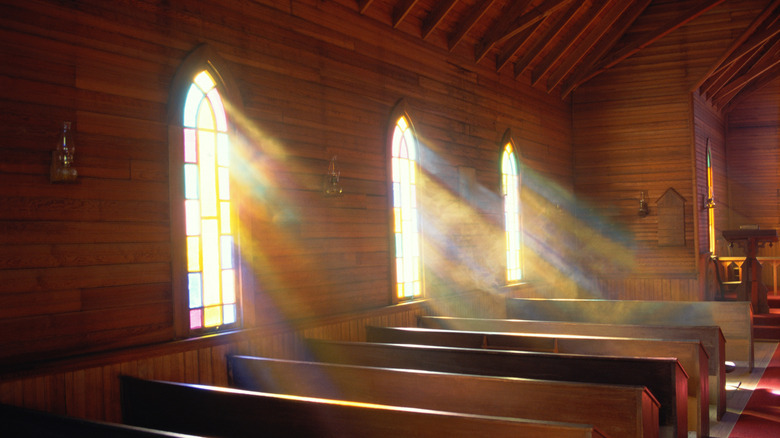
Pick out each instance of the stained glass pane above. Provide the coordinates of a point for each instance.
(228, 286)
(223, 150)
(196, 319)
(224, 217)
(208, 173)
(193, 254)
(191, 181)
(196, 289)
(224, 183)
(190, 146)
(227, 252)
(204, 81)
(191, 105)
(211, 259)
(212, 316)
(192, 217)
(229, 314)
(219, 110)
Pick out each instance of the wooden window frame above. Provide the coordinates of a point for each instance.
(509, 140)
(202, 58)
(402, 110)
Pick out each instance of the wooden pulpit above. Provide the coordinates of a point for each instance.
(752, 288)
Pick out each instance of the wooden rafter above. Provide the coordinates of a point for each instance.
(753, 86)
(609, 19)
(556, 28)
(567, 41)
(498, 30)
(436, 16)
(363, 5)
(652, 36)
(401, 10)
(729, 71)
(513, 45)
(769, 60)
(746, 50)
(476, 12)
(605, 44)
(727, 56)
(511, 24)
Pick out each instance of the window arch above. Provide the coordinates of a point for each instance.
(513, 227)
(404, 176)
(206, 269)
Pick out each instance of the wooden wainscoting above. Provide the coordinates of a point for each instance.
(88, 386)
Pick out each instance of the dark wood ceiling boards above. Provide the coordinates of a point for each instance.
(557, 45)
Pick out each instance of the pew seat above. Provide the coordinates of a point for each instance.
(616, 410)
(227, 412)
(711, 338)
(689, 353)
(664, 377)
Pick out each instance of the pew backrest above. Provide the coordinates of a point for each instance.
(733, 317)
(711, 338)
(664, 377)
(616, 410)
(22, 422)
(689, 353)
(226, 412)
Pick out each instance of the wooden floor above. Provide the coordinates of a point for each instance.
(739, 386)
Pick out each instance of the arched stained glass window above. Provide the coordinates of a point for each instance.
(710, 201)
(510, 188)
(406, 223)
(210, 253)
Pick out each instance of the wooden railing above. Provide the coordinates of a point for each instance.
(774, 262)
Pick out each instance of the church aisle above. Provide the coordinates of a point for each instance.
(740, 385)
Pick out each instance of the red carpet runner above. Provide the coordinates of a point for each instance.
(761, 416)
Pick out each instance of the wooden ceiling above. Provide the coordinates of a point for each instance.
(560, 44)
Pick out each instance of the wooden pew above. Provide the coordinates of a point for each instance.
(664, 377)
(227, 412)
(689, 353)
(711, 338)
(734, 318)
(20, 422)
(616, 410)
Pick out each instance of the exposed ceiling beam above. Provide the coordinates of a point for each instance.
(436, 16)
(757, 22)
(737, 57)
(401, 10)
(511, 24)
(593, 37)
(567, 41)
(555, 29)
(769, 60)
(754, 86)
(363, 5)
(604, 45)
(476, 12)
(513, 45)
(650, 37)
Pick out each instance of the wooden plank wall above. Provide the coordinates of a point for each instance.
(633, 132)
(753, 160)
(86, 267)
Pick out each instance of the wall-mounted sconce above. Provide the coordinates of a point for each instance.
(61, 169)
(709, 202)
(644, 210)
(330, 186)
